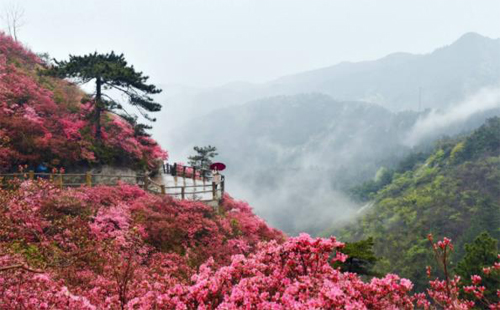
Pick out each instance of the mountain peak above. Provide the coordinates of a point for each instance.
(470, 38)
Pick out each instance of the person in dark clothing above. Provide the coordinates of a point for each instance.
(42, 168)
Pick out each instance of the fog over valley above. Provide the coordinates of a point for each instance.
(295, 146)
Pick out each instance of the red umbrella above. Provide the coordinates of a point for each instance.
(217, 166)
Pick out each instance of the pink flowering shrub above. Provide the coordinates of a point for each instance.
(104, 246)
(293, 275)
(193, 229)
(37, 291)
(446, 292)
(123, 248)
(120, 135)
(42, 118)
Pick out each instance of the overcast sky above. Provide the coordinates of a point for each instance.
(212, 42)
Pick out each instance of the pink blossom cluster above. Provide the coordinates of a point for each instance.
(446, 293)
(42, 118)
(495, 267)
(123, 248)
(120, 134)
(294, 275)
(103, 247)
(38, 291)
(187, 170)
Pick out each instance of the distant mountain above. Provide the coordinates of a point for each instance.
(281, 130)
(294, 145)
(400, 81)
(444, 76)
(292, 153)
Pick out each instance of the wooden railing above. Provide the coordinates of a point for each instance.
(197, 191)
(183, 171)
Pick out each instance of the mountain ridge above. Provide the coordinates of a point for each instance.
(452, 191)
(399, 81)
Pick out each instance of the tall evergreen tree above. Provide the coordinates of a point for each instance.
(110, 72)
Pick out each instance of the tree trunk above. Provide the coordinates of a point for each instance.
(98, 108)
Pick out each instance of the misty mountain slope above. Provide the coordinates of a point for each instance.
(454, 193)
(400, 81)
(445, 76)
(279, 131)
(292, 156)
(295, 157)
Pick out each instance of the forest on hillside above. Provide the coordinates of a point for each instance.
(452, 191)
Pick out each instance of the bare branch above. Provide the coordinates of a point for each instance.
(20, 266)
(13, 18)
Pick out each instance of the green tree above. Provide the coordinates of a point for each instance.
(484, 140)
(482, 252)
(110, 72)
(368, 189)
(361, 257)
(203, 157)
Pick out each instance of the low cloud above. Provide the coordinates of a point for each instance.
(436, 121)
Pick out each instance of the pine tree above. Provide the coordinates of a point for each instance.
(203, 158)
(110, 72)
(482, 252)
(361, 257)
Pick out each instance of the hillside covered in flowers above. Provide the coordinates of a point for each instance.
(46, 119)
(121, 247)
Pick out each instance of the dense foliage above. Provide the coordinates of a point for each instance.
(109, 245)
(42, 119)
(360, 257)
(203, 157)
(479, 256)
(110, 72)
(122, 248)
(453, 192)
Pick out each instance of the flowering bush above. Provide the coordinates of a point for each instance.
(123, 248)
(104, 246)
(446, 293)
(41, 118)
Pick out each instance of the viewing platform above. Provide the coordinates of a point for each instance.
(176, 180)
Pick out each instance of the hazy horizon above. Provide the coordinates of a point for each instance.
(207, 44)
